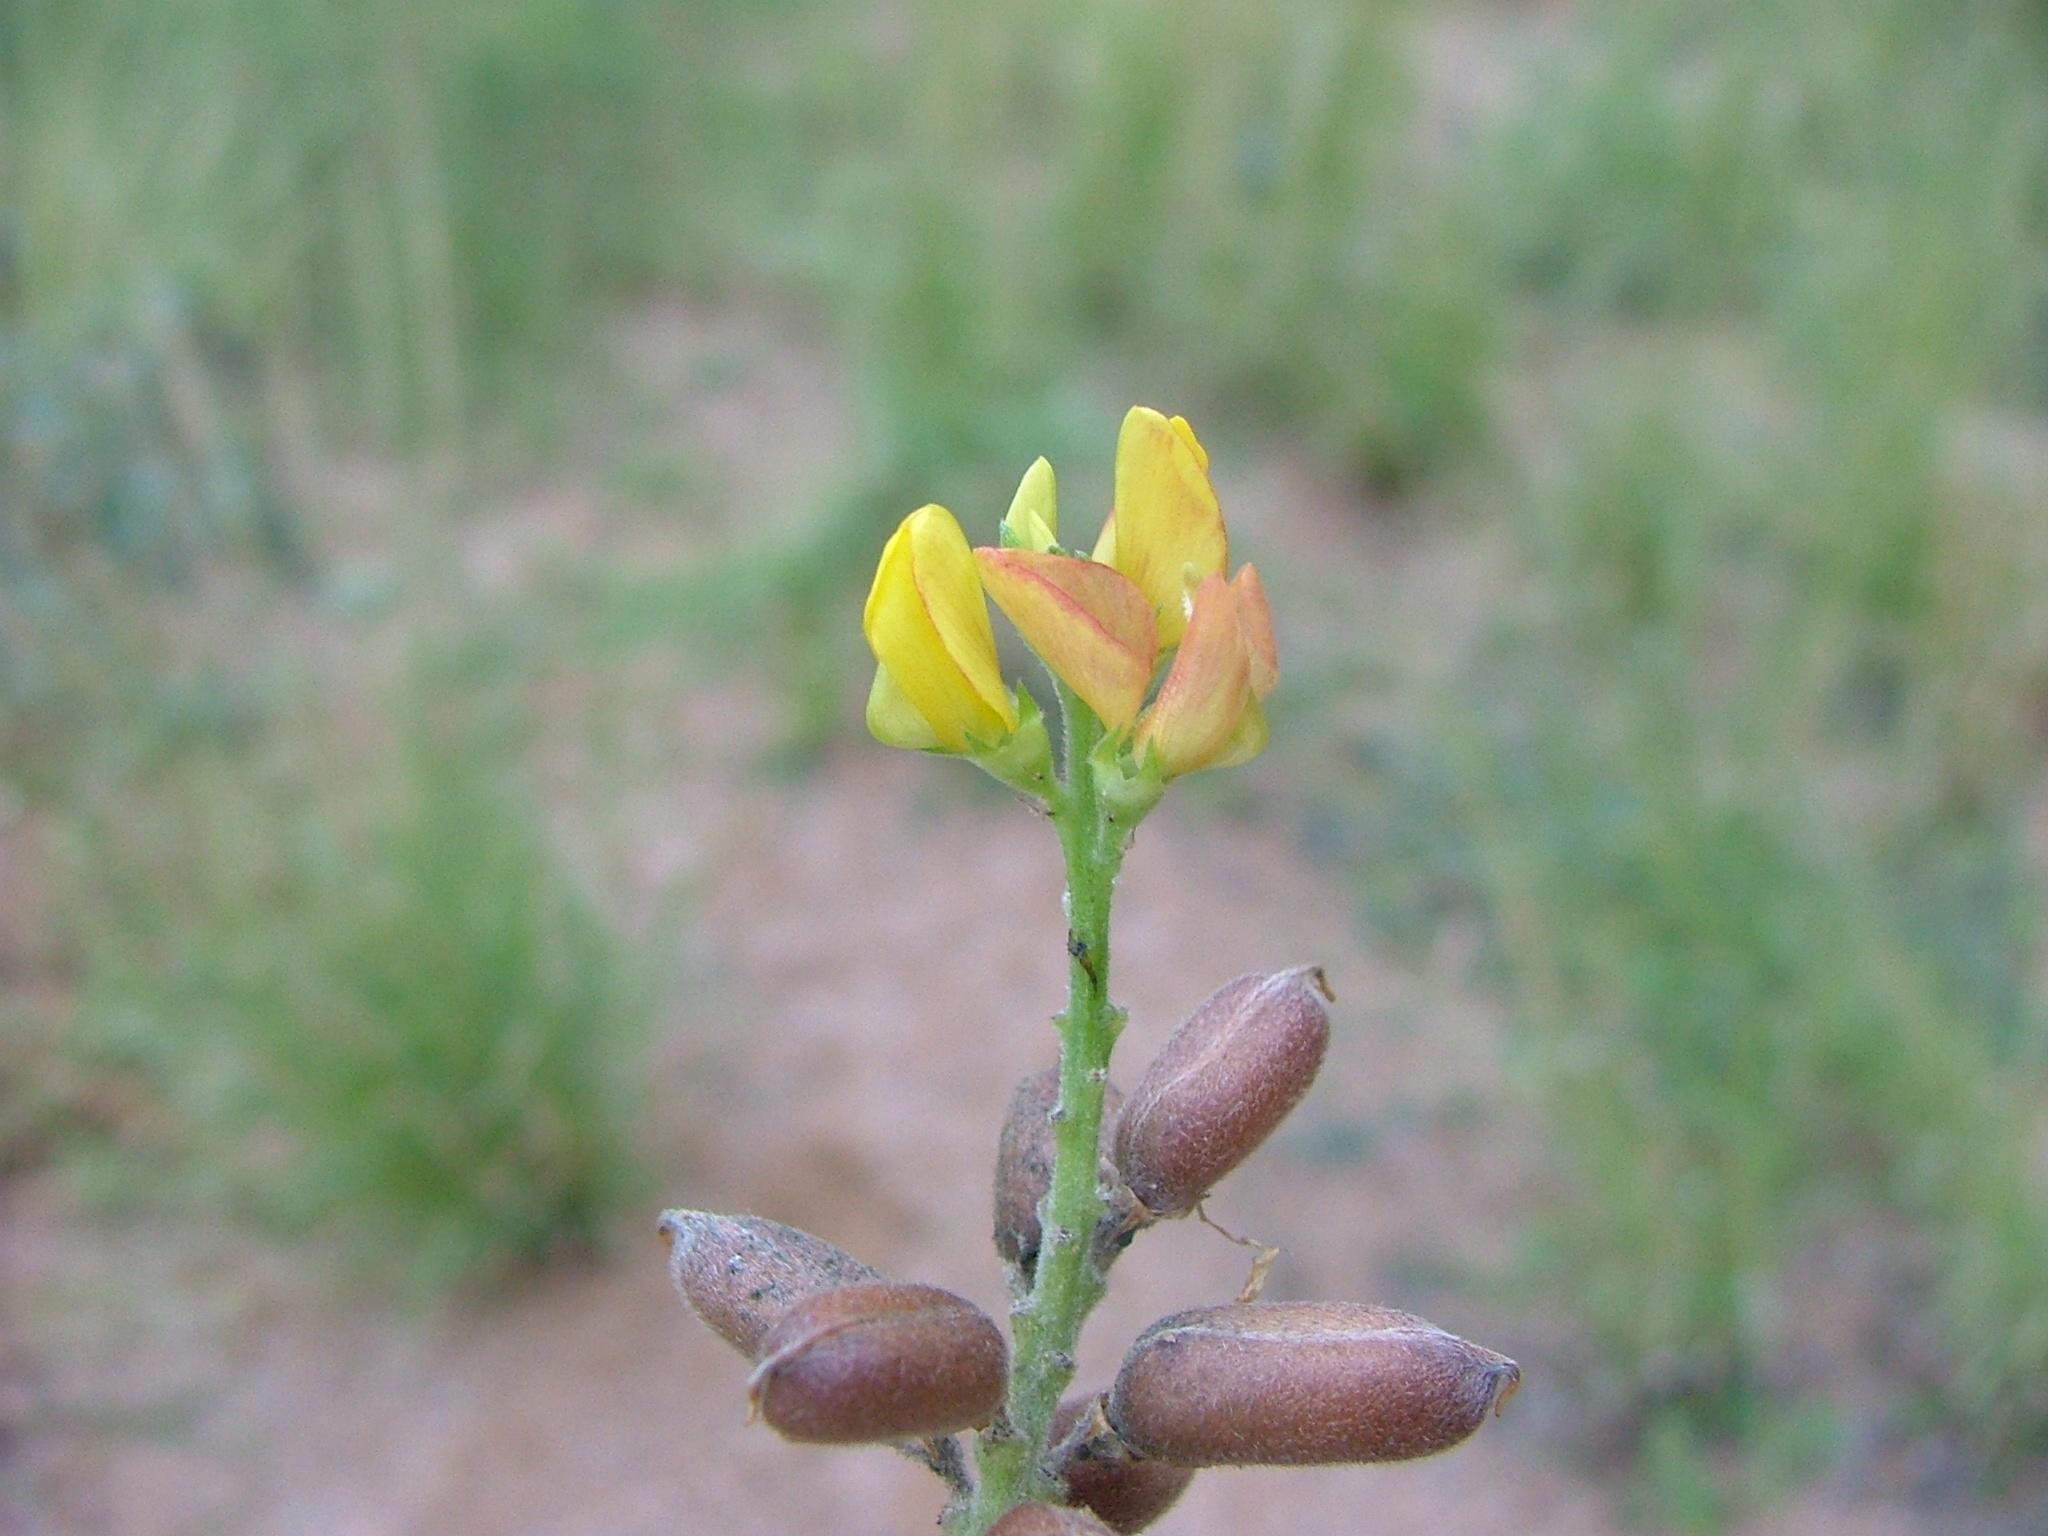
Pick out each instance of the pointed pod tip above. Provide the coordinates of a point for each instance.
(679, 1223)
(1506, 1381)
(1316, 977)
(740, 1274)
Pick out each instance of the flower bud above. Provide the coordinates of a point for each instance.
(740, 1274)
(938, 684)
(1033, 521)
(1044, 1520)
(1024, 1159)
(879, 1362)
(1302, 1383)
(1126, 1491)
(1223, 1081)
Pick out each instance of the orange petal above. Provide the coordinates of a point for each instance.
(1093, 627)
(1194, 720)
(1248, 740)
(1256, 616)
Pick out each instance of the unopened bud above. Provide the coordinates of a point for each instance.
(880, 1362)
(1222, 1082)
(1033, 520)
(1044, 1520)
(1024, 1159)
(740, 1274)
(1101, 1474)
(1303, 1383)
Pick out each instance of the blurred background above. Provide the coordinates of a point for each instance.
(443, 450)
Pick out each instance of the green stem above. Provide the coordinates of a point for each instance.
(1068, 1282)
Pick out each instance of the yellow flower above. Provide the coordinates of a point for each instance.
(1209, 712)
(1092, 625)
(1155, 582)
(1165, 530)
(937, 682)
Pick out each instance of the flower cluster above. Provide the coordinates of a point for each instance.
(1156, 584)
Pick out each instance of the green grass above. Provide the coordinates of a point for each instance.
(1738, 792)
(143, 448)
(1747, 863)
(413, 225)
(408, 199)
(394, 1016)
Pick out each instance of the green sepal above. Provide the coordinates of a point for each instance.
(1129, 782)
(1023, 758)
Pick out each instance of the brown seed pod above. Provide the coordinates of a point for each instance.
(1024, 1158)
(879, 1362)
(1301, 1383)
(1044, 1520)
(740, 1274)
(1219, 1086)
(1126, 1491)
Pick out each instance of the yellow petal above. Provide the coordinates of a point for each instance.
(928, 625)
(1256, 615)
(1195, 718)
(1169, 528)
(1092, 625)
(893, 719)
(1105, 541)
(1033, 521)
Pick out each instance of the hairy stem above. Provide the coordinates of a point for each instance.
(1068, 1282)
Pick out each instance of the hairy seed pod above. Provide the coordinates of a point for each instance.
(1044, 1520)
(1024, 1158)
(1101, 1474)
(740, 1274)
(1302, 1383)
(1219, 1086)
(879, 1362)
